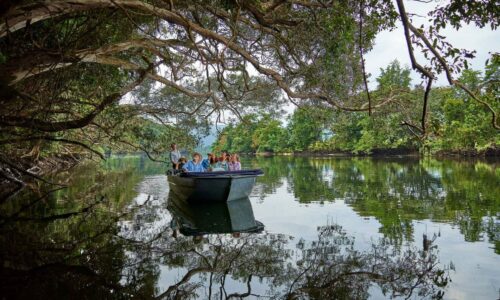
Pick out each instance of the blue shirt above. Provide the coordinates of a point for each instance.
(205, 163)
(190, 166)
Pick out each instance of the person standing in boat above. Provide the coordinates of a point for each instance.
(234, 163)
(175, 155)
(194, 165)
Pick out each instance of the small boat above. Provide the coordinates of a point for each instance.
(222, 186)
(194, 219)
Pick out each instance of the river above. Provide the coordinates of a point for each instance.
(334, 228)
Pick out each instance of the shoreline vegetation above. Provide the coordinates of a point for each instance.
(47, 166)
(457, 127)
(58, 163)
(488, 152)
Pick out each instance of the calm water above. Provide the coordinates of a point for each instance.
(335, 228)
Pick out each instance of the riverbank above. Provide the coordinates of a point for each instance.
(374, 152)
(472, 153)
(13, 177)
(488, 152)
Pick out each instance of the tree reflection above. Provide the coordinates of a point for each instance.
(331, 268)
(62, 242)
(105, 247)
(398, 191)
(275, 170)
(101, 239)
(325, 269)
(265, 265)
(271, 265)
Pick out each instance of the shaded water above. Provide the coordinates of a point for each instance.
(334, 228)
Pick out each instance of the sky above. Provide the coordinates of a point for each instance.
(390, 45)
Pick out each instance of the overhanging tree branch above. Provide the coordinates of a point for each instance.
(16, 20)
(52, 139)
(408, 27)
(47, 126)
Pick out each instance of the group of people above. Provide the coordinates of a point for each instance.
(224, 162)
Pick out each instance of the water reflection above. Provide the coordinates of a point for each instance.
(276, 267)
(110, 234)
(396, 191)
(197, 219)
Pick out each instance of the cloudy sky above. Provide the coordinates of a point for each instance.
(391, 45)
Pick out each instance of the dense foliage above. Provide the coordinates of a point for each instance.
(455, 121)
(66, 66)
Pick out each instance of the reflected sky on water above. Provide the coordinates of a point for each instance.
(334, 228)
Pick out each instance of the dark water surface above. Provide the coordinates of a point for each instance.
(335, 228)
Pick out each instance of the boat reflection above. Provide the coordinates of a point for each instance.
(194, 219)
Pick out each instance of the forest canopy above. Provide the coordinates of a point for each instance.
(65, 67)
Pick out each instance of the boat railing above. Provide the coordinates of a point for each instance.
(251, 172)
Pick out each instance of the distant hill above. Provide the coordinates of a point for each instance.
(207, 141)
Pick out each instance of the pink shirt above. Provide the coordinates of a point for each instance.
(236, 166)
